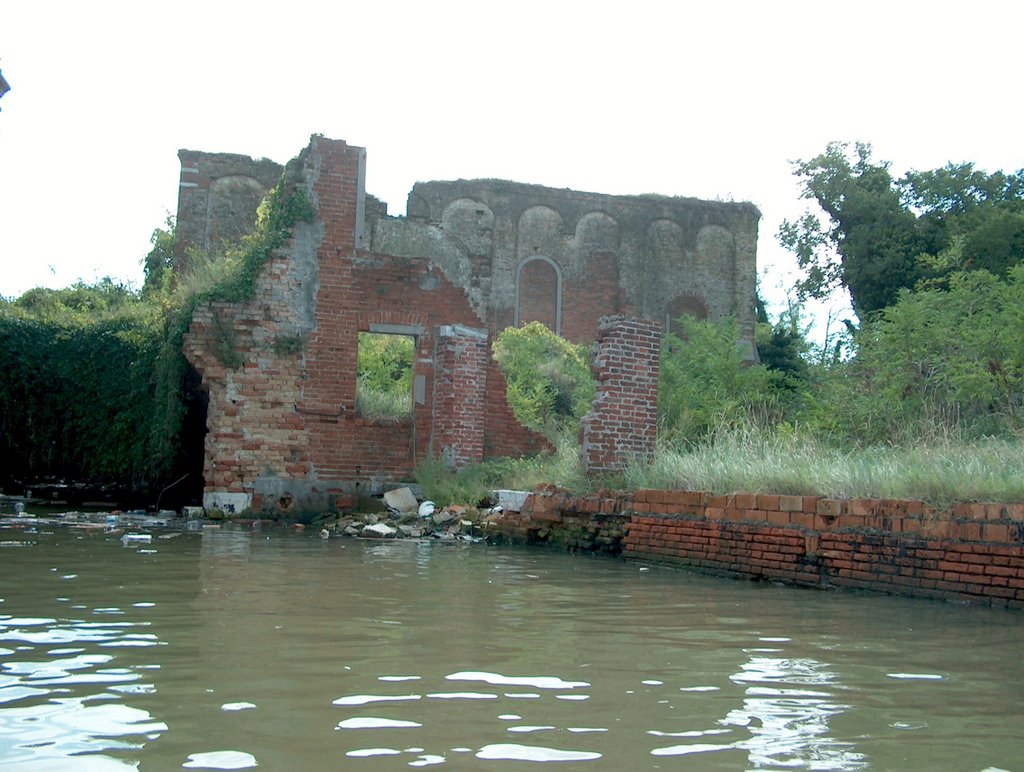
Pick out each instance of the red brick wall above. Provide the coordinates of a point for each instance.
(971, 552)
(588, 298)
(287, 414)
(460, 384)
(623, 420)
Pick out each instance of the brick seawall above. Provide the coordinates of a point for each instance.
(970, 552)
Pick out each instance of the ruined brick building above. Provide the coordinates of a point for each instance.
(470, 258)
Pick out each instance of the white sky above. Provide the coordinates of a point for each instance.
(709, 99)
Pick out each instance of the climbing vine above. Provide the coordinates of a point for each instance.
(96, 386)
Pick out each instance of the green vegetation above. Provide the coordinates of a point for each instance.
(96, 385)
(875, 235)
(752, 458)
(384, 377)
(924, 397)
(550, 386)
(472, 484)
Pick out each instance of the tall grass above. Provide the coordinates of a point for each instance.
(940, 468)
(382, 406)
(472, 484)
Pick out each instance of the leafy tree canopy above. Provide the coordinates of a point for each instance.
(876, 235)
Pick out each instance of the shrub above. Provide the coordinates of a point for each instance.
(549, 379)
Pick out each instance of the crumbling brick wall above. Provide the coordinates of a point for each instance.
(461, 358)
(281, 368)
(623, 421)
(218, 196)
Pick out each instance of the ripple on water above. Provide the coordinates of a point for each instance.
(363, 699)
(372, 722)
(514, 752)
(220, 760)
(234, 706)
(496, 679)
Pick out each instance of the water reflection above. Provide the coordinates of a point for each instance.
(229, 649)
(788, 722)
(60, 704)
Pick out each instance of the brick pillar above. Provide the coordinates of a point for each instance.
(461, 355)
(623, 419)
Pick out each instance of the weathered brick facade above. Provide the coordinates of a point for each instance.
(623, 421)
(471, 258)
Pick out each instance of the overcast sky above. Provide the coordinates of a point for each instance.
(710, 99)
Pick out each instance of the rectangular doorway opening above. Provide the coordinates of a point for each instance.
(384, 377)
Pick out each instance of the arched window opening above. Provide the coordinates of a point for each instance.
(539, 293)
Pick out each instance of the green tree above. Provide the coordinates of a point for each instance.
(158, 265)
(875, 235)
(867, 242)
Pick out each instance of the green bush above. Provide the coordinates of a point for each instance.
(706, 382)
(549, 380)
(935, 361)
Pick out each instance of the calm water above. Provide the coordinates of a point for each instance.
(232, 648)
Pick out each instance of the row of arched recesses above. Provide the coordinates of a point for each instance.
(539, 297)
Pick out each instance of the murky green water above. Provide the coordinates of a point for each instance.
(232, 648)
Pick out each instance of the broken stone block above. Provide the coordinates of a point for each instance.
(378, 530)
(401, 500)
(509, 501)
(442, 517)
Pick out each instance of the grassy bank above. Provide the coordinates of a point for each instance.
(940, 470)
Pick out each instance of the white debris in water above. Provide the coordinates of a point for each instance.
(537, 682)
(700, 688)
(509, 717)
(652, 683)
(397, 677)
(694, 733)
(512, 752)
(220, 760)
(463, 696)
(527, 728)
(585, 729)
(917, 676)
(573, 697)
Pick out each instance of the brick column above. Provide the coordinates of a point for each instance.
(461, 356)
(623, 419)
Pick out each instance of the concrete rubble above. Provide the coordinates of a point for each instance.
(403, 517)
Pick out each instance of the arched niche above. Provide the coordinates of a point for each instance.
(597, 232)
(539, 293)
(470, 223)
(716, 246)
(539, 231)
(666, 242)
(688, 304)
(231, 209)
